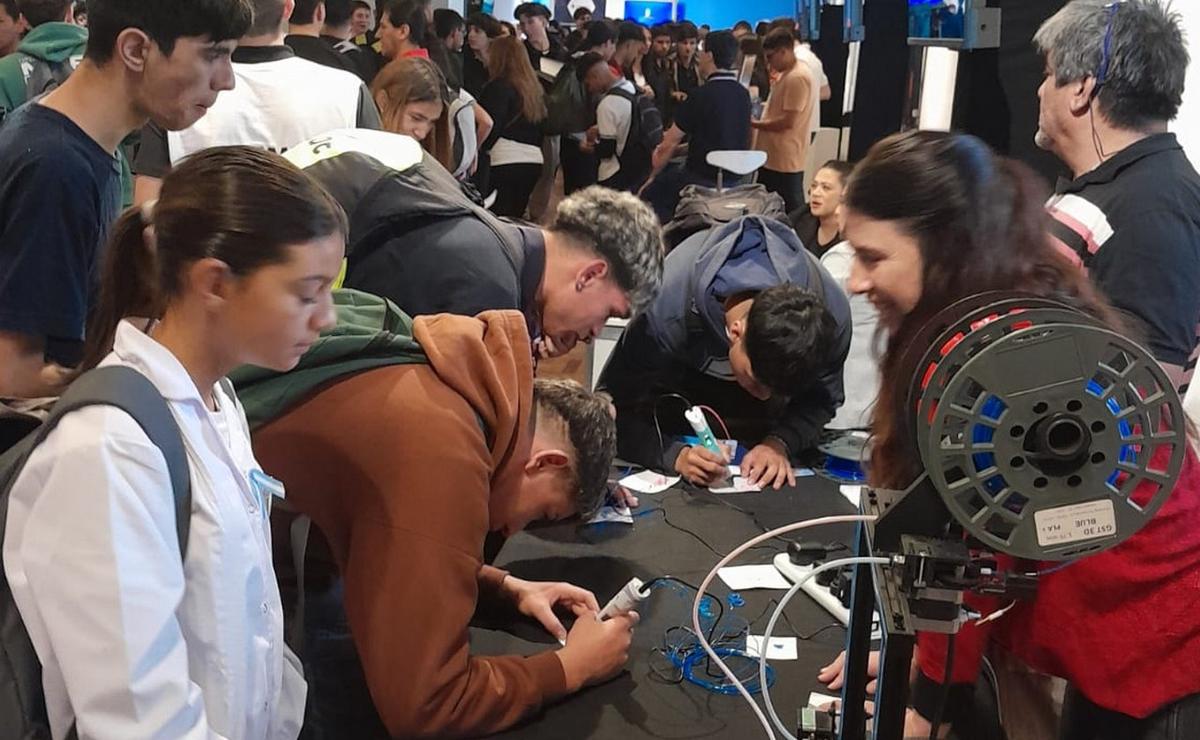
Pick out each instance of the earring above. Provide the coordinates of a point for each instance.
(579, 287)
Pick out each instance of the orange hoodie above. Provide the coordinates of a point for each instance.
(394, 467)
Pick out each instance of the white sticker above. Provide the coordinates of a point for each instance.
(1075, 523)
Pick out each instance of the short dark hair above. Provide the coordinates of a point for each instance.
(591, 432)
(37, 12)
(840, 166)
(486, 23)
(779, 38)
(10, 7)
(338, 12)
(724, 48)
(446, 22)
(686, 30)
(790, 338)
(531, 9)
(743, 24)
(408, 13)
(662, 29)
(762, 28)
(586, 62)
(165, 22)
(599, 33)
(630, 31)
(581, 12)
(304, 12)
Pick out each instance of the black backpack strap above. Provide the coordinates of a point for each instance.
(133, 393)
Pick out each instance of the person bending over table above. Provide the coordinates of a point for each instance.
(748, 323)
(1120, 626)
(406, 469)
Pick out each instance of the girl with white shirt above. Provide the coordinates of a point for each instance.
(235, 263)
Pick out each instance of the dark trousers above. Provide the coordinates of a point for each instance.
(514, 184)
(789, 185)
(580, 168)
(1083, 720)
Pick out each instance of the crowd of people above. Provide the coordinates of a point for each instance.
(339, 236)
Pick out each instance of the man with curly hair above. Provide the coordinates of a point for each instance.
(417, 240)
(749, 323)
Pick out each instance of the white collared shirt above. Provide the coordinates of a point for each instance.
(134, 642)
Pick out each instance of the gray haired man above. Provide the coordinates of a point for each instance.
(1131, 214)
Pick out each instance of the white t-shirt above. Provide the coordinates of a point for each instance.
(860, 374)
(805, 54)
(614, 116)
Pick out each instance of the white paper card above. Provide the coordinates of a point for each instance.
(747, 577)
(818, 700)
(781, 648)
(647, 481)
(853, 494)
(619, 514)
(737, 485)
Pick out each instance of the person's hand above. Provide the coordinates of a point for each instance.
(545, 347)
(701, 467)
(587, 147)
(596, 651)
(538, 599)
(768, 465)
(679, 97)
(593, 134)
(834, 674)
(647, 91)
(622, 496)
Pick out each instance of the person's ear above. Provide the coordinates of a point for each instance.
(591, 273)
(133, 49)
(320, 14)
(1082, 93)
(546, 460)
(210, 279)
(737, 330)
(288, 7)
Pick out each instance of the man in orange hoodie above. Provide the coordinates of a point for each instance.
(406, 469)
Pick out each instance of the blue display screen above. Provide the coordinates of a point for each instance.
(936, 19)
(651, 12)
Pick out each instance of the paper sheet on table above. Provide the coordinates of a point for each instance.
(817, 700)
(619, 514)
(853, 494)
(798, 472)
(746, 577)
(781, 648)
(647, 481)
(737, 485)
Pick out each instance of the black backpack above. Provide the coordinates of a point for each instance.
(646, 127)
(702, 208)
(566, 104)
(22, 702)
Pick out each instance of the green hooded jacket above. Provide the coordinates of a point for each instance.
(52, 43)
(371, 332)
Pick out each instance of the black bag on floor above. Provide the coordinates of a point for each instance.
(702, 208)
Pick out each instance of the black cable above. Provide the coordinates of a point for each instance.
(945, 697)
(795, 632)
(662, 447)
(720, 606)
(686, 531)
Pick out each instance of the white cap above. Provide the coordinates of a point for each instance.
(575, 5)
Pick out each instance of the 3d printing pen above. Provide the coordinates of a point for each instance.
(626, 599)
(695, 417)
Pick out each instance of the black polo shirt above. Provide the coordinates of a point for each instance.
(1134, 225)
(320, 51)
(716, 117)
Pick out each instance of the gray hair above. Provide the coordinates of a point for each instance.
(624, 231)
(1147, 56)
(592, 433)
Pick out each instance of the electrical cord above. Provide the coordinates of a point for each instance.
(936, 727)
(662, 445)
(762, 718)
(762, 658)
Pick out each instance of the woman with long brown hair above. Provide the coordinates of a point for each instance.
(411, 94)
(934, 218)
(517, 104)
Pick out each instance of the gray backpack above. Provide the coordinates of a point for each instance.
(22, 702)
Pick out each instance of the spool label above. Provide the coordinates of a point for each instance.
(1075, 523)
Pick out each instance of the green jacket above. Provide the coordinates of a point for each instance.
(53, 43)
(371, 332)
